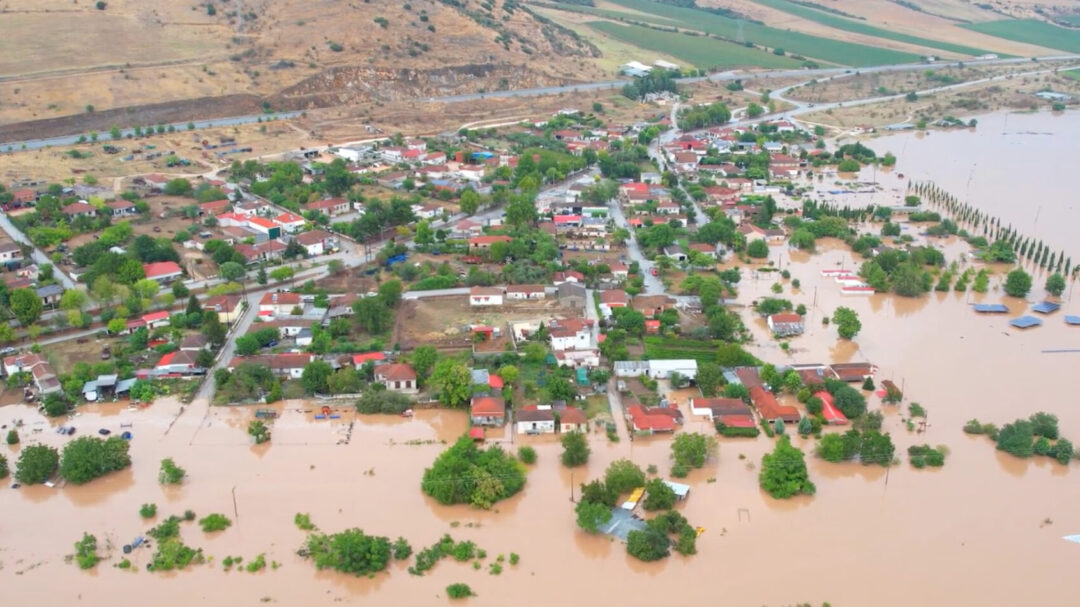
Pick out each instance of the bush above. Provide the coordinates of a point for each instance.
(1044, 424)
(591, 515)
(148, 510)
(925, 455)
(459, 591)
(974, 426)
(86, 552)
(383, 401)
(757, 249)
(214, 522)
(692, 449)
(12, 437)
(302, 520)
(623, 476)
(732, 432)
(1017, 438)
(350, 551)
(527, 455)
(170, 473)
(401, 549)
(651, 544)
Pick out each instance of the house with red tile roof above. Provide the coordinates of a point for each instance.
(330, 207)
(485, 242)
(79, 209)
(316, 242)
(487, 411)
(289, 365)
(228, 307)
(717, 408)
(279, 304)
(290, 222)
(785, 324)
(649, 421)
(568, 276)
(359, 360)
(156, 319)
(397, 377)
(163, 271)
(771, 410)
(214, 207)
(121, 208)
(832, 415)
(535, 420)
(573, 420)
(486, 296)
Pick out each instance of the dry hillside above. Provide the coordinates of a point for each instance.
(58, 57)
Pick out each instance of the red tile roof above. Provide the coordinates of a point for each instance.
(396, 372)
(359, 359)
(644, 419)
(769, 408)
(829, 411)
(161, 268)
(570, 415)
(487, 406)
(281, 299)
(488, 240)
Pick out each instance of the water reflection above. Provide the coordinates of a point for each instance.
(100, 489)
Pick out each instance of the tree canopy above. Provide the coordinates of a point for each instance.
(36, 464)
(783, 472)
(89, 457)
(463, 474)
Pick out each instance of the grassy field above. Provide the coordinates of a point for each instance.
(1031, 32)
(1074, 74)
(834, 51)
(859, 27)
(665, 348)
(700, 51)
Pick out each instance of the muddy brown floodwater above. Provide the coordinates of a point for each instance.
(974, 533)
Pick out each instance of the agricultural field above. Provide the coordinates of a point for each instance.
(700, 51)
(861, 27)
(892, 83)
(816, 47)
(1073, 74)
(1031, 32)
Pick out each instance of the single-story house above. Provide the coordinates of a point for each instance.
(525, 292)
(330, 207)
(228, 307)
(194, 342)
(785, 324)
(79, 209)
(614, 298)
(315, 242)
(288, 365)
(50, 294)
(163, 271)
(290, 222)
(651, 420)
(487, 411)
(398, 377)
(157, 319)
(183, 362)
(121, 208)
(832, 415)
(535, 421)
(568, 276)
(652, 305)
(573, 420)
(571, 295)
(485, 242)
(279, 304)
(486, 296)
(721, 409)
(675, 252)
(359, 360)
(771, 410)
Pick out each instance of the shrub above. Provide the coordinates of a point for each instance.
(527, 454)
(465, 475)
(13, 437)
(214, 522)
(658, 496)
(148, 510)
(575, 449)
(783, 472)
(303, 521)
(459, 591)
(170, 473)
(925, 455)
(514, 558)
(86, 552)
(36, 464)
(258, 563)
(732, 432)
(349, 551)
(401, 549)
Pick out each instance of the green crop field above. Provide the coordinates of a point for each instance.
(665, 348)
(699, 51)
(1032, 32)
(834, 51)
(1074, 74)
(859, 27)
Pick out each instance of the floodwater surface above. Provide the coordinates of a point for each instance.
(984, 530)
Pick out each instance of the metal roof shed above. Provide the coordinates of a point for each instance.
(1046, 307)
(681, 490)
(991, 308)
(1025, 322)
(1072, 320)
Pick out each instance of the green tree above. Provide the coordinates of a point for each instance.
(350, 551)
(261, 276)
(230, 270)
(575, 449)
(177, 187)
(754, 110)
(390, 292)
(25, 305)
(315, 376)
(257, 429)
(1018, 283)
(847, 322)
(453, 381)
(692, 448)
(463, 474)
(372, 315)
(1062, 451)
(13, 437)
(36, 464)
(623, 476)
(423, 359)
(658, 496)
(651, 544)
(1017, 438)
(757, 249)
(87, 458)
(709, 378)
(470, 201)
(783, 472)
(850, 402)
(73, 299)
(1055, 284)
(591, 515)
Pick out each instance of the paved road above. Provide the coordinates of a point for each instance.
(652, 286)
(39, 257)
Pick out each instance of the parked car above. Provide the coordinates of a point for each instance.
(104, 432)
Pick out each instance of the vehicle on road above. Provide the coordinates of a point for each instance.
(104, 432)
(655, 272)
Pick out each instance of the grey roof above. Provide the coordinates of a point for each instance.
(124, 385)
(991, 308)
(1046, 307)
(480, 377)
(50, 290)
(1072, 320)
(106, 381)
(571, 289)
(1025, 322)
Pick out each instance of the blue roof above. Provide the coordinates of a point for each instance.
(482, 154)
(1072, 320)
(991, 308)
(1025, 322)
(1046, 307)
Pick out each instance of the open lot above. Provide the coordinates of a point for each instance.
(444, 321)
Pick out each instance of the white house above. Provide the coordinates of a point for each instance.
(656, 369)
(570, 334)
(525, 292)
(398, 377)
(573, 420)
(535, 421)
(486, 296)
(471, 172)
(588, 358)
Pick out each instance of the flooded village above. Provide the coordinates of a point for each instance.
(625, 280)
